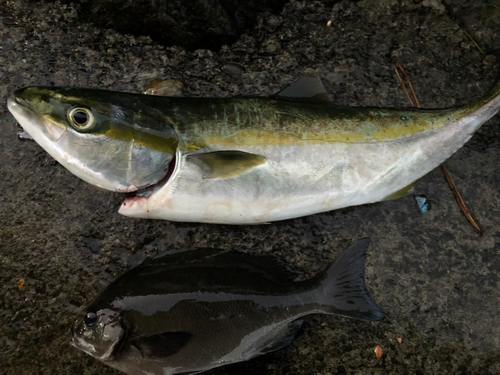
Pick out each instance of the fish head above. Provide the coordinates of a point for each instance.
(117, 141)
(99, 333)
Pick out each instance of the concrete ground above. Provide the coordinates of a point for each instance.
(436, 278)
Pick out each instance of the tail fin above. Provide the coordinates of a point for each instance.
(494, 96)
(343, 291)
(486, 107)
(495, 91)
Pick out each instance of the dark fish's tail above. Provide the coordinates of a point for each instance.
(343, 291)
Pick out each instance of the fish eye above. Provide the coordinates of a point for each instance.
(405, 118)
(81, 118)
(90, 319)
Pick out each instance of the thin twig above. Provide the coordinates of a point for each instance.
(453, 187)
(403, 85)
(459, 199)
(473, 41)
(409, 83)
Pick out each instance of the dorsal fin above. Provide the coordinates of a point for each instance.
(307, 89)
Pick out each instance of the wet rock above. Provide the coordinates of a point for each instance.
(92, 244)
(188, 23)
(164, 87)
(437, 280)
(234, 70)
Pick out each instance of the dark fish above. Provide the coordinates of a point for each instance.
(195, 310)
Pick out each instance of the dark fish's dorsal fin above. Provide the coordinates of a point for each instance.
(308, 89)
(225, 164)
(343, 291)
(269, 266)
(282, 338)
(161, 345)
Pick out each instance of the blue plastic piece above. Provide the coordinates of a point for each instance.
(422, 206)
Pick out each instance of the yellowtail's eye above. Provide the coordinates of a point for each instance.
(81, 118)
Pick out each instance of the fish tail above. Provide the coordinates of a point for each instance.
(343, 291)
(494, 95)
(487, 106)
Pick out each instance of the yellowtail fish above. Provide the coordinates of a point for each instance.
(243, 160)
(195, 310)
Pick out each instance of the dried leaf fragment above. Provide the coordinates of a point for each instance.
(20, 283)
(378, 351)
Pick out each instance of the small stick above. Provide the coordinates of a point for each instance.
(409, 83)
(473, 41)
(453, 187)
(459, 199)
(403, 85)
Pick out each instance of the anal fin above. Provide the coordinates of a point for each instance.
(404, 191)
(283, 338)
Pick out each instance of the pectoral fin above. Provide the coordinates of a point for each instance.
(161, 345)
(225, 164)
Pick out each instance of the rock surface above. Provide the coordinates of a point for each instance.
(438, 281)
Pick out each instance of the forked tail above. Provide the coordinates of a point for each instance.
(488, 106)
(343, 291)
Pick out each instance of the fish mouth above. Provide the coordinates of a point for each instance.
(38, 126)
(111, 354)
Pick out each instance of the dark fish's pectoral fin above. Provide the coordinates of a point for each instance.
(307, 89)
(343, 291)
(283, 337)
(225, 164)
(161, 345)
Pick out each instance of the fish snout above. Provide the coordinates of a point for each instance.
(42, 128)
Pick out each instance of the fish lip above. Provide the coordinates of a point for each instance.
(20, 101)
(33, 122)
(20, 107)
(115, 349)
(15, 100)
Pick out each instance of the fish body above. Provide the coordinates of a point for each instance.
(200, 309)
(256, 160)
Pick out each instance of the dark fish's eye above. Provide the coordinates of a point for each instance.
(90, 319)
(81, 118)
(405, 118)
